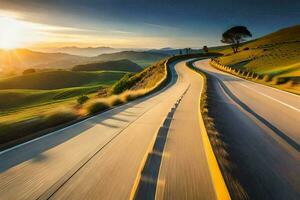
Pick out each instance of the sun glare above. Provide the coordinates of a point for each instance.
(15, 33)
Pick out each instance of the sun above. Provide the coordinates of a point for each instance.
(15, 33)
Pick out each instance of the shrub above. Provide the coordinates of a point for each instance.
(289, 84)
(82, 99)
(114, 100)
(124, 84)
(275, 80)
(97, 106)
(266, 78)
(131, 95)
(280, 80)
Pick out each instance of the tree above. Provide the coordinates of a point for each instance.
(235, 36)
(82, 99)
(205, 49)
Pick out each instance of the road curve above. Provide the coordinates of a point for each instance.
(260, 126)
(99, 158)
(184, 171)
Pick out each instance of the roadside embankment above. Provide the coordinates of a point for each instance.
(289, 84)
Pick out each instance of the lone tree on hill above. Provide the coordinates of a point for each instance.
(235, 36)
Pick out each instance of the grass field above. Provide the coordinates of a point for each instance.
(276, 55)
(43, 100)
(43, 92)
(60, 79)
(13, 99)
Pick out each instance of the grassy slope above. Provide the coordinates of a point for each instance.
(38, 117)
(274, 54)
(118, 65)
(15, 99)
(42, 92)
(59, 79)
(149, 76)
(46, 88)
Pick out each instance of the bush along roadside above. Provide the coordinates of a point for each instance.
(283, 83)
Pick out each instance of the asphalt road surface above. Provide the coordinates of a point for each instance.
(261, 128)
(184, 172)
(100, 158)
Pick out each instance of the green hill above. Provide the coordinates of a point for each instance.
(276, 54)
(118, 65)
(59, 79)
(19, 98)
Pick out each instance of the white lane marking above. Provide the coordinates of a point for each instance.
(292, 107)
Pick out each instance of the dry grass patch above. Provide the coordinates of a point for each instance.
(115, 100)
(96, 106)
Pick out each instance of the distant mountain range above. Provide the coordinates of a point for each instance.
(88, 51)
(17, 60)
(95, 51)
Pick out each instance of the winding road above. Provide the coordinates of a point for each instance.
(101, 157)
(155, 147)
(260, 126)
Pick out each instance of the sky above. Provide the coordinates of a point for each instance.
(140, 23)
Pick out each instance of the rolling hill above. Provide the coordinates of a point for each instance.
(21, 58)
(118, 65)
(46, 88)
(59, 79)
(15, 61)
(276, 54)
